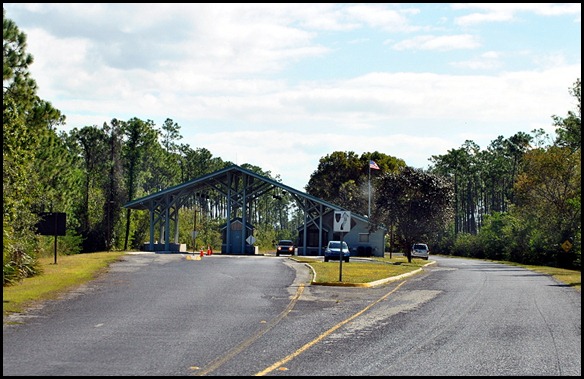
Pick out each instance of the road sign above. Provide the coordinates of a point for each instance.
(250, 240)
(342, 221)
(52, 224)
(567, 245)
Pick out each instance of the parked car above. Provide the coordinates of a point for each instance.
(284, 247)
(420, 250)
(333, 251)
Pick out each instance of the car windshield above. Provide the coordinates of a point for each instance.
(285, 243)
(420, 247)
(336, 245)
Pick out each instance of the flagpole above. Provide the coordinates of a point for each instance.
(369, 209)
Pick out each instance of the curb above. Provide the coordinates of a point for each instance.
(370, 284)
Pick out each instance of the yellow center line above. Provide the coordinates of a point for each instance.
(239, 348)
(328, 332)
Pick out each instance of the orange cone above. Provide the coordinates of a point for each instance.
(202, 252)
(208, 250)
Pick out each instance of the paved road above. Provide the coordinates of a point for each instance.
(157, 314)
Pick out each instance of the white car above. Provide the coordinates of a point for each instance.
(420, 250)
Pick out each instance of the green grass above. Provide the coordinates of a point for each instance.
(69, 272)
(358, 272)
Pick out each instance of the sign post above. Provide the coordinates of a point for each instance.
(194, 234)
(341, 224)
(52, 224)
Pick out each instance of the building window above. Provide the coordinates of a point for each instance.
(363, 237)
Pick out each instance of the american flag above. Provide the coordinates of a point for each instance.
(373, 165)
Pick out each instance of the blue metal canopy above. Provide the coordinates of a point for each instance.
(239, 187)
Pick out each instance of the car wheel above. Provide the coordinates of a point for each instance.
(277, 254)
(347, 259)
(326, 259)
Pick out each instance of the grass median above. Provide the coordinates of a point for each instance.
(360, 272)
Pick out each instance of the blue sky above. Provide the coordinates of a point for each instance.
(282, 85)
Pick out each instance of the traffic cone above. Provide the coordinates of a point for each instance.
(202, 252)
(208, 250)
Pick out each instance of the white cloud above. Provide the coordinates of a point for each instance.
(440, 43)
(503, 12)
(282, 85)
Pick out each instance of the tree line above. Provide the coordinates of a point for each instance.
(519, 199)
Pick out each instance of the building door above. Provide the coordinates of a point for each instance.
(236, 236)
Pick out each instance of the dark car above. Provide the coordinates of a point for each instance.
(333, 251)
(284, 247)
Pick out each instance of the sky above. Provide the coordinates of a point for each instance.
(282, 85)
